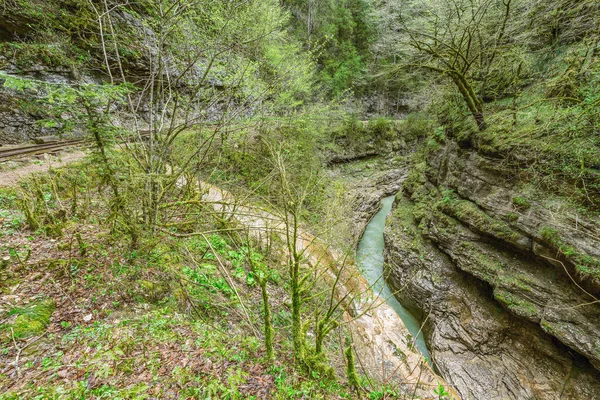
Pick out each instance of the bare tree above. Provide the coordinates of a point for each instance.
(180, 86)
(457, 39)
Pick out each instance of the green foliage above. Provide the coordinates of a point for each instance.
(441, 392)
(537, 82)
(54, 33)
(560, 21)
(69, 106)
(340, 33)
(419, 125)
(381, 128)
(380, 135)
(387, 391)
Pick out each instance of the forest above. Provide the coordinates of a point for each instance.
(300, 199)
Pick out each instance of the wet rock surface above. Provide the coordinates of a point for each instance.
(510, 310)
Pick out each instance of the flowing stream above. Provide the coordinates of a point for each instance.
(370, 261)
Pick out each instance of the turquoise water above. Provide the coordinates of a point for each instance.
(370, 261)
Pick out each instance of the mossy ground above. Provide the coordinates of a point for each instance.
(97, 318)
(31, 319)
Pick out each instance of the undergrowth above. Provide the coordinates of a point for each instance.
(91, 316)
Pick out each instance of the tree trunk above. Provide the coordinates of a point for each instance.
(481, 125)
(474, 104)
(295, 288)
(267, 321)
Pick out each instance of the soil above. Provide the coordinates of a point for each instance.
(11, 171)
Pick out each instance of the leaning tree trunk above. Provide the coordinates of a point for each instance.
(474, 103)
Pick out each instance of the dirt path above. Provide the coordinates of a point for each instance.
(11, 177)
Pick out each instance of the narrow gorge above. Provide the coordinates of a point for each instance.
(475, 255)
(300, 199)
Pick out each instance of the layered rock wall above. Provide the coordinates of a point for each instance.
(504, 277)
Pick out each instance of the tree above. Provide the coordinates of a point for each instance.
(185, 47)
(340, 34)
(456, 39)
(320, 284)
(262, 273)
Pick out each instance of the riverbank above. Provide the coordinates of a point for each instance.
(383, 343)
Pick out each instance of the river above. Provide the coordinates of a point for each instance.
(370, 261)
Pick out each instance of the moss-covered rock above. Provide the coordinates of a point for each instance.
(586, 265)
(468, 213)
(516, 304)
(32, 319)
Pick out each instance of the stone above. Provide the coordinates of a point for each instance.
(45, 139)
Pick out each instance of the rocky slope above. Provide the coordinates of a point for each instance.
(505, 278)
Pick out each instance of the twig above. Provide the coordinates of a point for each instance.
(20, 349)
(573, 280)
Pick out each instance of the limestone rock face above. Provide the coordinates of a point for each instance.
(16, 126)
(20, 111)
(504, 278)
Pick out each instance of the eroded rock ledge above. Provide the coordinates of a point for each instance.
(506, 279)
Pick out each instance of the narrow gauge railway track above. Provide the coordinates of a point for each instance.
(43, 148)
(35, 149)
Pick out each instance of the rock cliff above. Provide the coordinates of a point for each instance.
(504, 276)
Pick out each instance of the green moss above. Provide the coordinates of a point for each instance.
(516, 281)
(516, 305)
(25, 55)
(549, 234)
(416, 177)
(521, 203)
(470, 214)
(512, 217)
(404, 215)
(547, 326)
(482, 266)
(545, 147)
(587, 265)
(150, 292)
(31, 320)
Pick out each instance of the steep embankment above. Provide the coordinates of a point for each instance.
(504, 274)
(382, 341)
